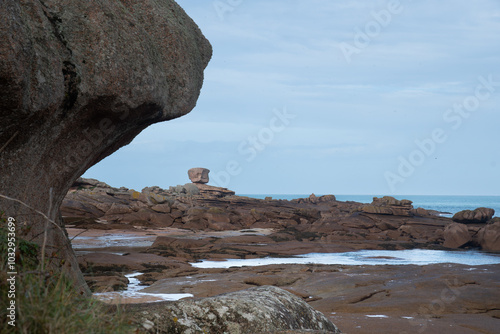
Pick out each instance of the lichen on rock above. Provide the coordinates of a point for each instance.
(264, 309)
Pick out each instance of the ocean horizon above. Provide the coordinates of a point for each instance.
(449, 204)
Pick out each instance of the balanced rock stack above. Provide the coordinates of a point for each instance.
(198, 175)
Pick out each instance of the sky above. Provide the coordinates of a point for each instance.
(334, 97)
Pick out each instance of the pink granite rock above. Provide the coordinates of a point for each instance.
(198, 175)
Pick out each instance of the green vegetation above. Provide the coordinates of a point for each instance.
(46, 302)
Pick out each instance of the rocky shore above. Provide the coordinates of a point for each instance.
(317, 222)
(159, 232)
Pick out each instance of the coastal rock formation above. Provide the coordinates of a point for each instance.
(107, 207)
(198, 175)
(77, 82)
(347, 294)
(476, 216)
(321, 221)
(235, 227)
(213, 192)
(313, 224)
(313, 199)
(456, 235)
(264, 309)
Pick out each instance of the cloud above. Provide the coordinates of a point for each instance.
(271, 54)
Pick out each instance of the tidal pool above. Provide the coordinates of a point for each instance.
(367, 257)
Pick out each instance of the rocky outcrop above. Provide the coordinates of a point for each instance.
(456, 235)
(388, 205)
(476, 216)
(199, 207)
(107, 207)
(310, 223)
(263, 309)
(198, 175)
(77, 82)
(313, 199)
(213, 192)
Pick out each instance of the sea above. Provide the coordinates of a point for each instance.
(448, 205)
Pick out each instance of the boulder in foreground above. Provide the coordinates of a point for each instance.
(264, 309)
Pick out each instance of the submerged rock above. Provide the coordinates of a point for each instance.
(264, 309)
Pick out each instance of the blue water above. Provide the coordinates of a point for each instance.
(451, 204)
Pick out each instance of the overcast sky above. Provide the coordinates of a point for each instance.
(334, 97)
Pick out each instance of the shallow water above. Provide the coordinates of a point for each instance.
(133, 293)
(367, 257)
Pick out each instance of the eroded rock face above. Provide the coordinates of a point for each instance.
(77, 82)
(264, 309)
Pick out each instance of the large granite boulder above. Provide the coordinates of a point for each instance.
(489, 236)
(264, 309)
(456, 235)
(476, 216)
(198, 175)
(78, 80)
(388, 205)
